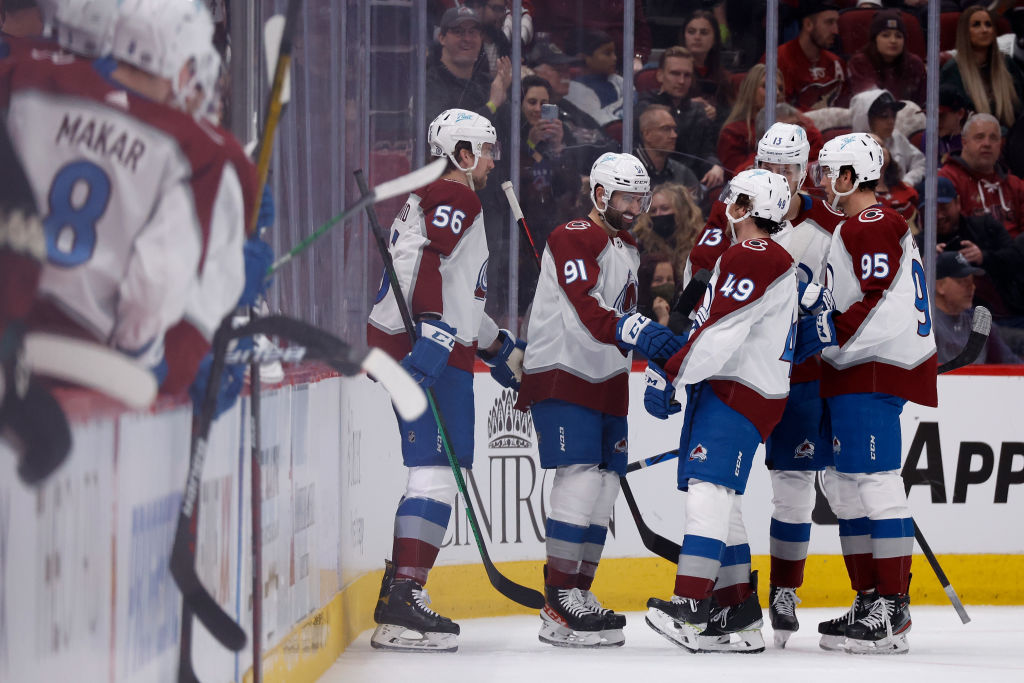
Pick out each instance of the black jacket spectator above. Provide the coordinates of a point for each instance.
(697, 139)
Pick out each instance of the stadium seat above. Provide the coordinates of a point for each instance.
(646, 80)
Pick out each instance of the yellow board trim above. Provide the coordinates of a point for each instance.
(624, 584)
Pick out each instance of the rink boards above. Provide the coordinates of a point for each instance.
(83, 560)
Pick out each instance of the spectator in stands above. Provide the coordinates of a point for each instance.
(954, 313)
(696, 140)
(814, 76)
(988, 78)
(874, 111)
(656, 291)
(584, 138)
(737, 142)
(598, 90)
(20, 18)
(703, 38)
(885, 64)
(893, 192)
(984, 242)
(984, 188)
(457, 76)
(671, 225)
(568, 21)
(496, 22)
(657, 146)
(953, 108)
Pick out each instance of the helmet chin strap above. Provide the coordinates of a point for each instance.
(734, 221)
(467, 171)
(838, 194)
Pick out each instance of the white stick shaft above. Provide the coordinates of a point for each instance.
(510, 193)
(411, 181)
(91, 365)
(406, 394)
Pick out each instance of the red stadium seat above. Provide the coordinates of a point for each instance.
(646, 80)
(855, 31)
(947, 30)
(835, 132)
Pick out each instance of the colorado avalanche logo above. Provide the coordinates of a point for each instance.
(699, 453)
(836, 446)
(620, 446)
(481, 283)
(805, 450)
(625, 302)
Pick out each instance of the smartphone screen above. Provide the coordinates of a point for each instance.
(549, 112)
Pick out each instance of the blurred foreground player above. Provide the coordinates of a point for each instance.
(440, 255)
(575, 375)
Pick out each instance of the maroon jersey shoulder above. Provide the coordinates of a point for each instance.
(822, 214)
(580, 236)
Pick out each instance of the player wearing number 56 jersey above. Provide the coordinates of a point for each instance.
(878, 352)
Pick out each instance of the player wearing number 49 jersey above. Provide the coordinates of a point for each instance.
(878, 352)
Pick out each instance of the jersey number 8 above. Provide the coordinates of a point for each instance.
(70, 225)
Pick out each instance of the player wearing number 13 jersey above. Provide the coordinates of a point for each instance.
(878, 352)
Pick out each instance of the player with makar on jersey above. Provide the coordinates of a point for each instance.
(735, 371)
(439, 249)
(878, 352)
(575, 383)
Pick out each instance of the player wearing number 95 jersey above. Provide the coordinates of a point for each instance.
(878, 352)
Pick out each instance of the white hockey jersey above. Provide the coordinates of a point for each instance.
(883, 324)
(587, 282)
(115, 176)
(746, 333)
(440, 253)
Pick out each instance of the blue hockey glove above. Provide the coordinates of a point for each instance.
(266, 215)
(429, 355)
(646, 336)
(231, 382)
(507, 364)
(814, 333)
(258, 258)
(659, 396)
(814, 298)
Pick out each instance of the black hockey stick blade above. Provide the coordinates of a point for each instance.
(941, 575)
(980, 329)
(652, 460)
(186, 674)
(527, 597)
(657, 544)
(693, 292)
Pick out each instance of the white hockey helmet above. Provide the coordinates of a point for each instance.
(858, 150)
(84, 27)
(210, 75)
(784, 144)
(768, 193)
(453, 126)
(619, 173)
(161, 37)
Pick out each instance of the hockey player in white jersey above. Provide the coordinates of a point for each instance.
(575, 377)
(440, 254)
(878, 352)
(796, 449)
(735, 370)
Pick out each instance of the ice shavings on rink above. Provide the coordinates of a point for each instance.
(988, 650)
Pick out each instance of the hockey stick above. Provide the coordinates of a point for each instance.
(527, 597)
(656, 543)
(401, 185)
(517, 211)
(981, 326)
(652, 460)
(941, 575)
(343, 358)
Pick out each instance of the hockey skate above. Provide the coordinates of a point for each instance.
(567, 621)
(611, 633)
(406, 624)
(833, 631)
(782, 604)
(736, 628)
(883, 630)
(680, 620)
(385, 587)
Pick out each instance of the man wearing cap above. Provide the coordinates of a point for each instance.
(583, 136)
(983, 242)
(885, 62)
(813, 76)
(458, 77)
(874, 111)
(982, 186)
(953, 108)
(954, 292)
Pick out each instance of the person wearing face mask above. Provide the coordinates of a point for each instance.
(657, 292)
(671, 226)
(582, 327)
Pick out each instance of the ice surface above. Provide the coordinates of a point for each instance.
(988, 650)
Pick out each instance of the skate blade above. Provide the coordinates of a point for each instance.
(401, 639)
(683, 635)
(832, 643)
(612, 638)
(781, 638)
(897, 645)
(748, 642)
(561, 636)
